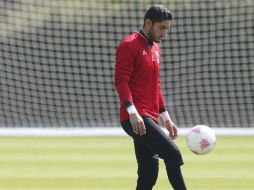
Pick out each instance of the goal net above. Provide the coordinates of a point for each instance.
(57, 61)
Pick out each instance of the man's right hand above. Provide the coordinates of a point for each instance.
(137, 123)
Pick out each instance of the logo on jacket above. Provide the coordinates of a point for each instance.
(144, 52)
(153, 59)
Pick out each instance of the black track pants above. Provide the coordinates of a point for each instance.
(149, 148)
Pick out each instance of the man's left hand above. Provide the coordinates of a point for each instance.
(172, 129)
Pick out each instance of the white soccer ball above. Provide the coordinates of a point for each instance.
(201, 139)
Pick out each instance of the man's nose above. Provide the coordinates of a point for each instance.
(166, 32)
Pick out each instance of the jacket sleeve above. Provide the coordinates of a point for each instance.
(162, 105)
(123, 70)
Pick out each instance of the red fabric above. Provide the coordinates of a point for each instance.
(137, 76)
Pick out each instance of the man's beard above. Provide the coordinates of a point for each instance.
(151, 36)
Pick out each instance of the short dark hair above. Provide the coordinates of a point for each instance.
(158, 13)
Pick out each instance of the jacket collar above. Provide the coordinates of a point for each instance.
(149, 41)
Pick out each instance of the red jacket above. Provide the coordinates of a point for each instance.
(137, 77)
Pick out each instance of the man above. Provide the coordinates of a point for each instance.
(137, 82)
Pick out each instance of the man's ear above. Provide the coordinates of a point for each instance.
(148, 23)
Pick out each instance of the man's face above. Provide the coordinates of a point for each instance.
(158, 30)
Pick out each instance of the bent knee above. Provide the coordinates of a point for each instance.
(174, 158)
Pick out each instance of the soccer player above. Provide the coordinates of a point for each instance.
(137, 82)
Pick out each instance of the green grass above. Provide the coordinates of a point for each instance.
(108, 163)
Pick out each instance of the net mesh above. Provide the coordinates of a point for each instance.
(57, 61)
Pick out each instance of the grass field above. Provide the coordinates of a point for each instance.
(108, 163)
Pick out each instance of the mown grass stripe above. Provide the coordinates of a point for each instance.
(109, 163)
